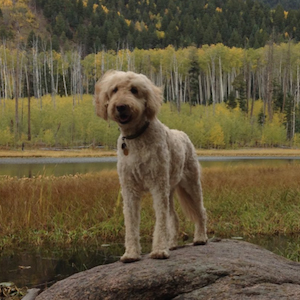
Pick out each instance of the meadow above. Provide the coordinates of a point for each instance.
(86, 209)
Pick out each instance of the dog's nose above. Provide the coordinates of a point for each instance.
(121, 108)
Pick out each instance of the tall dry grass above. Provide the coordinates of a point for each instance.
(253, 200)
(240, 200)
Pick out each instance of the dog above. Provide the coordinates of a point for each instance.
(151, 158)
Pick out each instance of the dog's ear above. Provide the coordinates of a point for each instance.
(154, 100)
(101, 96)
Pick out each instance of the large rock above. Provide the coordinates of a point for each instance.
(219, 270)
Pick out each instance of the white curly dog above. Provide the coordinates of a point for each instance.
(151, 157)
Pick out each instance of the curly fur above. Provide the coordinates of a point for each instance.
(160, 161)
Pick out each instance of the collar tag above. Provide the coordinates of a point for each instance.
(124, 148)
(131, 137)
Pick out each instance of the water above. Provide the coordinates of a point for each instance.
(42, 267)
(29, 167)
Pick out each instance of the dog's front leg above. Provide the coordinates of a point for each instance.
(131, 209)
(160, 245)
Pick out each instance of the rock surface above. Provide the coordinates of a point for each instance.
(222, 270)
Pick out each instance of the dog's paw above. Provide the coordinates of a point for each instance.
(200, 240)
(126, 258)
(199, 243)
(160, 254)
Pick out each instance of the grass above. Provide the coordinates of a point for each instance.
(240, 201)
(57, 153)
(105, 152)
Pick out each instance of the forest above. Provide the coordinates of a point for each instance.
(148, 24)
(212, 77)
(40, 72)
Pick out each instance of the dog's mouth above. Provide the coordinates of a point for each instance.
(124, 115)
(124, 118)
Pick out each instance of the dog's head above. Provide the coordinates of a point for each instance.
(126, 97)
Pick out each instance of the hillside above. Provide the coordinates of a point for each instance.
(21, 16)
(287, 4)
(146, 24)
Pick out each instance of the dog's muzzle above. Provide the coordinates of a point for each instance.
(124, 114)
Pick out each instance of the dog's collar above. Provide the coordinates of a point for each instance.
(133, 136)
(138, 133)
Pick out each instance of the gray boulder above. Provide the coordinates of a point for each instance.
(227, 269)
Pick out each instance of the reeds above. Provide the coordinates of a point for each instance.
(240, 200)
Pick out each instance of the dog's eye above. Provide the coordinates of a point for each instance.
(134, 90)
(115, 90)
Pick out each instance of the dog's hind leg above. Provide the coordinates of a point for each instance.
(131, 209)
(191, 200)
(173, 223)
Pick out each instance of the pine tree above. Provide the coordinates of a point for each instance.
(194, 71)
(60, 25)
(278, 18)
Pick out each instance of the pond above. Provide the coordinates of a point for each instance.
(29, 167)
(42, 267)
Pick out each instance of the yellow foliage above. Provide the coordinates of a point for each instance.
(286, 35)
(138, 26)
(296, 140)
(218, 9)
(286, 14)
(160, 34)
(105, 9)
(6, 3)
(206, 6)
(6, 136)
(258, 105)
(216, 136)
(222, 110)
(128, 22)
(95, 7)
(30, 17)
(158, 24)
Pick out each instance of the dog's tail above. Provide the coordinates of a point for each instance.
(192, 206)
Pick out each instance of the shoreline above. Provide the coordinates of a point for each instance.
(243, 152)
(113, 159)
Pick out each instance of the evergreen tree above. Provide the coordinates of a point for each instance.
(239, 84)
(231, 101)
(60, 25)
(111, 43)
(278, 18)
(235, 39)
(172, 34)
(194, 72)
(208, 36)
(30, 39)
